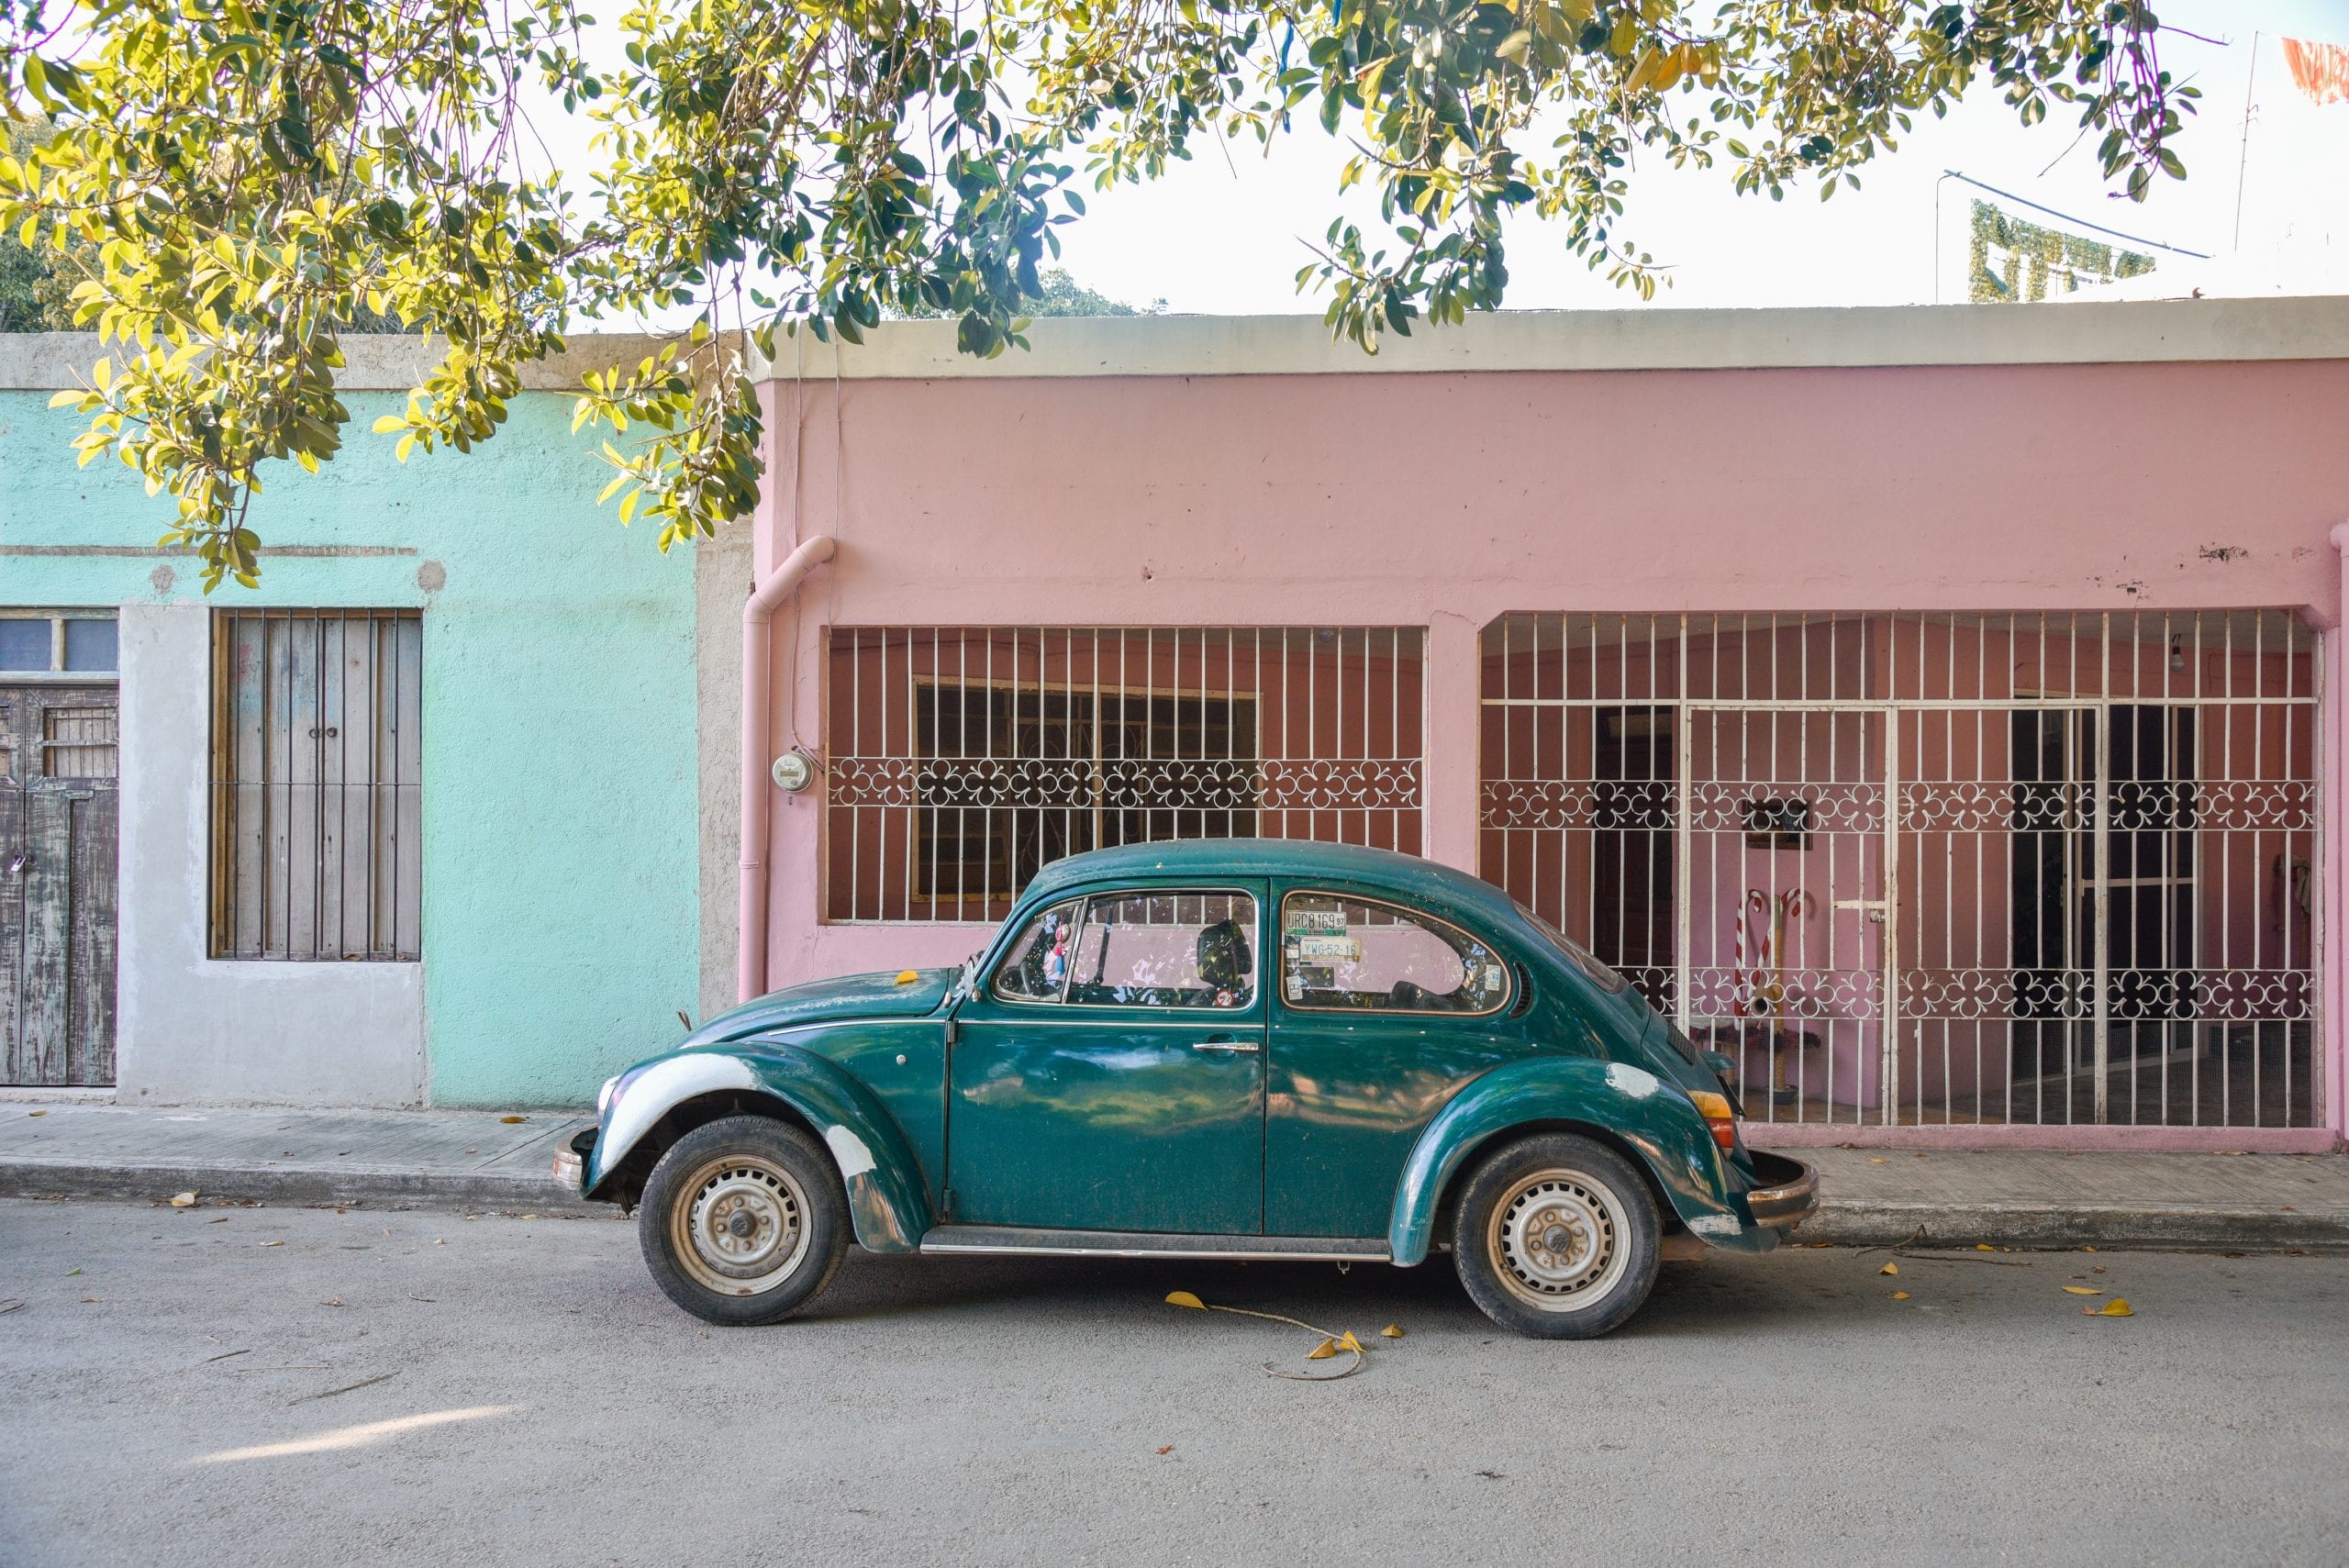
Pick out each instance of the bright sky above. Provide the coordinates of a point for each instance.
(1226, 237)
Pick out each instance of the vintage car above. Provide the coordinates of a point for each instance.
(1209, 1049)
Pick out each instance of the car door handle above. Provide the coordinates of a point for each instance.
(1233, 1045)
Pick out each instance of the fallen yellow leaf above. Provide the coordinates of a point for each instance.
(907, 977)
(1984, 1247)
(1184, 1298)
(1889, 1269)
(510, 1119)
(2115, 1307)
(36, 1113)
(1879, 1159)
(1392, 1331)
(1322, 1351)
(1899, 1296)
(2083, 1290)
(183, 1200)
(1347, 1342)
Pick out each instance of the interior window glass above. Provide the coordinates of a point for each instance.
(1037, 966)
(90, 644)
(24, 644)
(1348, 952)
(1167, 950)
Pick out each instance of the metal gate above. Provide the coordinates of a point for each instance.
(58, 823)
(1947, 869)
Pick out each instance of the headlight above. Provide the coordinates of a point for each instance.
(604, 1096)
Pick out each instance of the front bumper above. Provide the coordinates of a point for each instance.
(571, 1161)
(1790, 1195)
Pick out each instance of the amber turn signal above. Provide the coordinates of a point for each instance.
(1715, 1109)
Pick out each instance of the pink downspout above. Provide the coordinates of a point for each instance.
(2333, 790)
(758, 622)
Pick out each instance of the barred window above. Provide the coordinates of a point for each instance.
(960, 760)
(317, 784)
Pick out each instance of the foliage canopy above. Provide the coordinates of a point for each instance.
(241, 183)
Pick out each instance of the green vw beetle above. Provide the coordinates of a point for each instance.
(1216, 1047)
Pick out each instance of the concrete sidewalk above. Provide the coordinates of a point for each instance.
(478, 1160)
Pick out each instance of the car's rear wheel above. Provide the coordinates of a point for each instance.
(1558, 1238)
(743, 1220)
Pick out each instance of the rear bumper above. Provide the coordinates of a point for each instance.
(1790, 1193)
(570, 1161)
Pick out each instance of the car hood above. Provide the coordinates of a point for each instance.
(885, 994)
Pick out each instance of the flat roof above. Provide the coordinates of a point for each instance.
(1634, 339)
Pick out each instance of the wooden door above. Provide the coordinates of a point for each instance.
(58, 817)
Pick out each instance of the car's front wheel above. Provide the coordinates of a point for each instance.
(743, 1220)
(1558, 1238)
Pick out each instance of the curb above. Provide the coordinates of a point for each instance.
(342, 1184)
(2180, 1229)
(1848, 1223)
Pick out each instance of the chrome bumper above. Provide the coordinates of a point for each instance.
(571, 1161)
(1792, 1195)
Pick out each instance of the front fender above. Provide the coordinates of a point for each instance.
(1635, 1105)
(887, 1200)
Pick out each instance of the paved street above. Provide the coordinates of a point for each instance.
(266, 1385)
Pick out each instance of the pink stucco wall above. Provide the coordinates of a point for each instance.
(1445, 500)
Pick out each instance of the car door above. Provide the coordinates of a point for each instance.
(1109, 1073)
(1382, 1011)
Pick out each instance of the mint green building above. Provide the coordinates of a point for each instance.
(418, 822)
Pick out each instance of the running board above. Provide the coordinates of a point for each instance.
(1019, 1240)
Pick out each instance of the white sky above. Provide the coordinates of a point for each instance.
(1227, 237)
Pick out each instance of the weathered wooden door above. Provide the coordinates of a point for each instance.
(59, 814)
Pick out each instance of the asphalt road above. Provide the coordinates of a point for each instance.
(255, 1387)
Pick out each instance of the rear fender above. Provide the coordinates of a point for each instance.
(886, 1199)
(1638, 1108)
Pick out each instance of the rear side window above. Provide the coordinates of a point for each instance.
(1355, 954)
(1167, 950)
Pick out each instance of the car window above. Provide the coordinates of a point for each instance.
(1167, 950)
(1036, 968)
(1354, 953)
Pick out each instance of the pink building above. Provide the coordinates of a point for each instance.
(1932, 708)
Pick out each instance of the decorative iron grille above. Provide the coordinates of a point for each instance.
(962, 759)
(316, 787)
(1934, 868)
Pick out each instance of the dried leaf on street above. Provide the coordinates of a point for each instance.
(510, 1119)
(2082, 1290)
(70, 1272)
(1984, 1247)
(1330, 1346)
(273, 1243)
(1392, 1331)
(331, 1301)
(1899, 1296)
(2115, 1307)
(1168, 1448)
(1889, 1269)
(36, 1113)
(183, 1200)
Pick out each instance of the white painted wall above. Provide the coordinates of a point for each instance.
(191, 1027)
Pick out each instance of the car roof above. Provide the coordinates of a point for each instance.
(1288, 859)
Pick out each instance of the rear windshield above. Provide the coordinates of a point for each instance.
(1583, 959)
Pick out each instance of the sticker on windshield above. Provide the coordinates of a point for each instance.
(1325, 949)
(1309, 922)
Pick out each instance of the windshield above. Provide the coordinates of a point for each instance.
(1583, 959)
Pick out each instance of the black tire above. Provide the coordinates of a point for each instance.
(765, 1201)
(1558, 1238)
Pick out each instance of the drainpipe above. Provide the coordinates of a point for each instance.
(758, 620)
